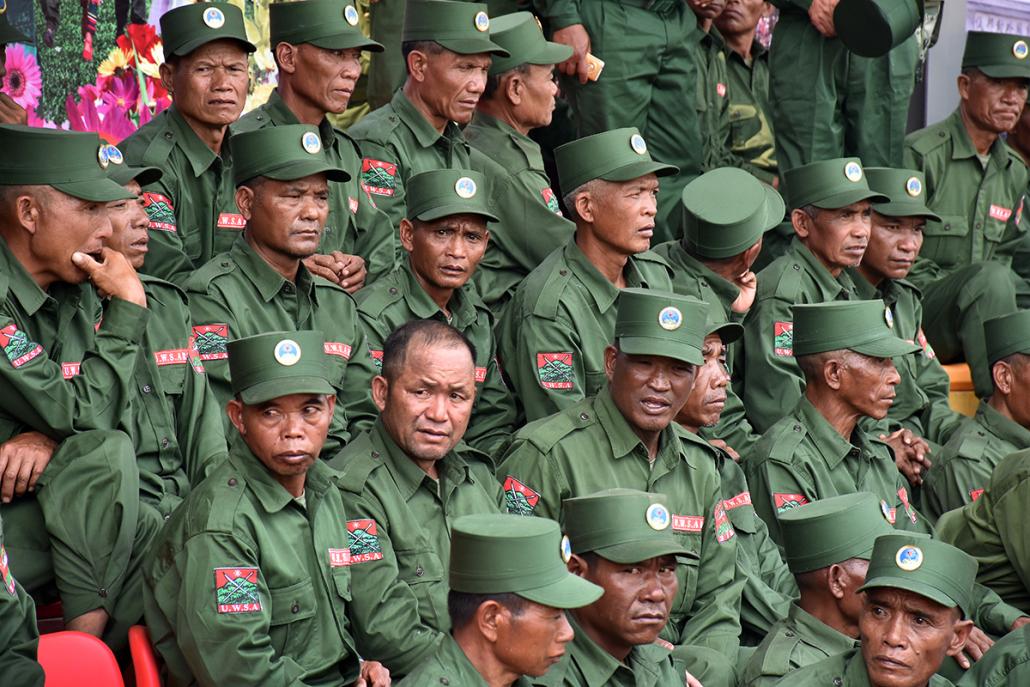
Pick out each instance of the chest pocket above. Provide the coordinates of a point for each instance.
(291, 628)
(423, 572)
(687, 569)
(173, 378)
(595, 382)
(744, 124)
(946, 242)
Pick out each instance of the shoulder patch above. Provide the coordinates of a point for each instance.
(556, 371)
(786, 442)
(363, 541)
(236, 590)
(6, 578)
(925, 345)
(694, 524)
(377, 359)
(212, 341)
(783, 338)
(723, 528)
(550, 200)
(974, 494)
(337, 348)
(973, 445)
(518, 498)
(784, 502)
(160, 211)
(17, 346)
(378, 177)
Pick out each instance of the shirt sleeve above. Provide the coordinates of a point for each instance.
(356, 394)
(389, 197)
(493, 416)
(166, 253)
(559, 13)
(532, 483)
(19, 638)
(376, 241)
(775, 488)
(772, 379)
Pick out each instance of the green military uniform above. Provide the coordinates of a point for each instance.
(771, 379)
(239, 294)
(192, 208)
(400, 538)
(531, 223)
(797, 641)
(396, 139)
(1006, 664)
(483, 550)
(751, 130)
(843, 670)
(247, 583)
(19, 637)
(552, 334)
(399, 298)
(9, 34)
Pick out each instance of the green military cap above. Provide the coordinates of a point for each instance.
(652, 322)
(833, 530)
(277, 364)
(72, 162)
(520, 34)
(998, 55)
(461, 27)
(718, 324)
(329, 24)
(121, 173)
(829, 184)
(9, 34)
(870, 28)
(616, 155)
(498, 554)
(186, 28)
(865, 327)
(445, 192)
(926, 566)
(1006, 335)
(905, 190)
(622, 525)
(282, 153)
(726, 211)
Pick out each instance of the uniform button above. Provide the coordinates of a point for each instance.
(168, 135)
(147, 388)
(232, 481)
(419, 572)
(168, 517)
(584, 416)
(165, 442)
(837, 682)
(797, 428)
(796, 267)
(295, 608)
(444, 681)
(289, 288)
(102, 592)
(941, 134)
(375, 454)
(563, 273)
(225, 262)
(979, 225)
(788, 633)
(393, 291)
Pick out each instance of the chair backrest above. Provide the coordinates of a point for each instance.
(143, 659)
(76, 659)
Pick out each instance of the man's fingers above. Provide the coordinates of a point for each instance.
(963, 660)
(10, 477)
(21, 485)
(86, 263)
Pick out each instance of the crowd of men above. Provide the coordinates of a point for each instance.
(397, 404)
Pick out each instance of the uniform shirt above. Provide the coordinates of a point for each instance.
(399, 298)
(238, 294)
(522, 198)
(963, 467)
(843, 670)
(247, 585)
(355, 225)
(397, 142)
(553, 333)
(448, 665)
(794, 642)
(772, 381)
(751, 130)
(562, 13)
(589, 447)
(19, 637)
(1006, 664)
(400, 541)
(192, 207)
(974, 203)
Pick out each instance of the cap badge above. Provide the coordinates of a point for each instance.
(657, 516)
(482, 21)
(913, 186)
(103, 157)
(287, 352)
(1020, 50)
(3, 7)
(114, 156)
(566, 549)
(670, 319)
(888, 317)
(853, 171)
(311, 142)
(465, 188)
(636, 142)
(214, 18)
(351, 15)
(909, 558)
(538, 24)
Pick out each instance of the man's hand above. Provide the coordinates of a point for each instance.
(910, 454)
(347, 271)
(11, 112)
(373, 674)
(22, 461)
(1020, 622)
(748, 285)
(976, 645)
(719, 443)
(821, 16)
(577, 37)
(691, 681)
(113, 276)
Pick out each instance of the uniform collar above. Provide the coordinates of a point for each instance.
(889, 290)
(20, 285)
(279, 114)
(621, 437)
(601, 290)
(463, 311)
(266, 280)
(452, 468)
(817, 633)
(831, 446)
(199, 155)
(962, 145)
(424, 132)
(458, 669)
(758, 52)
(272, 496)
(598, 667)
(829, 287)
(726, 290)
(1002, 427)
(525, 144)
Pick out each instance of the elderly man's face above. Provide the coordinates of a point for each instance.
(130, 226)
(537, 96)
(445, 252)
(532, 641)
(210, 84)
(894, 244)
(285, 219)
(622, 214)
(740, 16)
(837, 237)
(453, 84)
(648, 390)
(992, 104)
(867, 384)
(708, 395)
(325, 78)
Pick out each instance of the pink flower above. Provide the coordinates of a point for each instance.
(82, 114)
(24, 81)
(121, 91)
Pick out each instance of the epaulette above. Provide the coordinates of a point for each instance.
(931, 138)
(252, 121)
(545, 433)
(157, 151)
(373, 300)
(321, 283)
(777, 656)
(473, 455)
(787, 441)
(542, 296)
(214, 509)
(160, 284)
(377, 126)
(974, 444)
(208, 272)
(358, 463)
(651, 256)
(789, 283)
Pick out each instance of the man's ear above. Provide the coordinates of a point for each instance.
(836, 581)
(245, 201)
(802, 223)
(234, 409)
(418, 62)
(610, 354)
(1001, 373)
(513, 87)
(958, 640)
(963, 82)
(286, 57)
(167, 74)
(26, 211)
(380, 390)
(407, 235)
(578, 566)
(490, 618)
(833, 372)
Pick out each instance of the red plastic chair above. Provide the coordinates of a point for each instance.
(76, 659)
(144, 662)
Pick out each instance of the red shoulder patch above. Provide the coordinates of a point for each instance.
(784, 502)
(783, 338)
(363, 541)
(160, 211)
(555, 370)
(337, 348)
(17, 346)
(378, 177)
(974, 494)
(236, 590)
(519, 499)
(212, 341)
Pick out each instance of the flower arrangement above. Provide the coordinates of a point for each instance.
(24, 80)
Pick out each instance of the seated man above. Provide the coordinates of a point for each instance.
(622, 541)
(1001, 425)
(19, 637)
(507, 619)
(249, 582)
(282, 180)
(552, 334)
(625, 437)
(1006, 664)
(404, 481)
(444, 236)
(827, 545)
(915, 613)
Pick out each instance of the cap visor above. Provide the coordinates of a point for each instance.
(123, 174)
(639, 551)
(473, 46)
(101, 190)
(347, 41)
(727, 331)
(570, 591)
(642, 345)
(189, 46)
(635, 170)
(842, 200)
(284, 386)
(1006, 71)
(920, 588)
(552, 53)
(906, 210)
(888, 346)
(301, 169)
(775, 209)
(448, 210)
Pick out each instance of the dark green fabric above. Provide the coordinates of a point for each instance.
(1006, 664)
(19, 638)
(751, 131)
(843, 670)
(447, 665)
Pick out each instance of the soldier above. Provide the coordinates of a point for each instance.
(447, 50)
(319, 62)
(1001, 425)
(726, 212)
(1007, 664)
(975, 183)
(19, 637)
(508, 586)
(827, 545)
(519, 97)
(404, 482)
(915, 613)
(625, 437)
(282, 176)
(192, 209)
(445, 236)
(10, 111)
(249, 582)
(552, 333)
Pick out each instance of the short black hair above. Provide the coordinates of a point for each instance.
(493, 81)
(462, 606)
(422, 332)
(428, 47)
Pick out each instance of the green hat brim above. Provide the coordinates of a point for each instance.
(455, 209)
(284, 386)
(842, 200)
(345, 41)
(727, 331)
(123, 174)
(101, 190)
(551, 53)
(921, 588)
(191, 45)
(1005, 71)
(570, 591)
(9, 34)
(472, 46)
(900, 209)
(885, 347)
(641, 550)
(635, 170)
(301, 169)
(645, 345)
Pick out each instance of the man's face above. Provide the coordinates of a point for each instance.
(837, 237)
(63, 225)
(708, 395)
(648, 390)
(1018, 400)
(454, 83)
(534, 640)
(624, 212)
(326, 78)
(905, 637)
(740, 16)
(285, 218)
(426, 409)
(539, 94)
(707, 9)
(636, 602)
(129, 226)
(894, 244)
(867, 384)
(445, 252)
(993, 105)
(210, 84)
